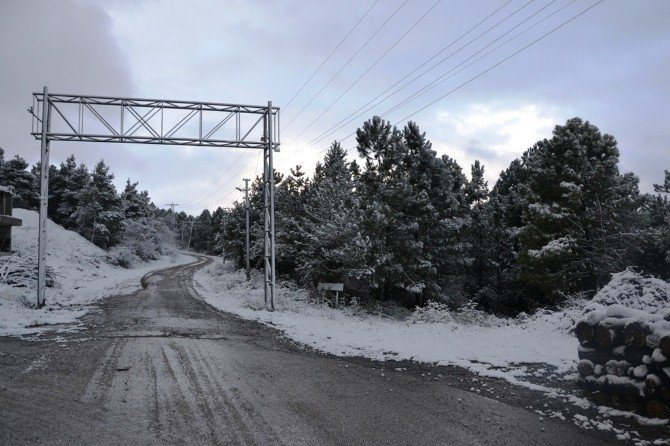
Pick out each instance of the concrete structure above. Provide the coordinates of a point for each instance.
(6, 220)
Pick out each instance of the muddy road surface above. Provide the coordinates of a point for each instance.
(162, 367)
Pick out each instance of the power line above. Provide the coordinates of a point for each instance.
(346, 63)
(444, 76)
(368, 69)
(502, 61)
(205, 198)
(352, 116)
(330, 55)
(441, 78)
(505, 59)
(358, 113)
(197, 199)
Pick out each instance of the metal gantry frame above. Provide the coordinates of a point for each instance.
(67, 117)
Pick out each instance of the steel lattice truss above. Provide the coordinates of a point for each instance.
(154, 121)
(66, 117)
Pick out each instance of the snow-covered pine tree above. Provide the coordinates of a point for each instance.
(99, 213)
(74, 180)
(502, 213)
(665, 187)
(330, 246)
(219, 217)
(289, 212)
(478, 227)
(14, 173)
(414, 207)
(580, 212)
(653, 255)
(136, 204)
(477, 189)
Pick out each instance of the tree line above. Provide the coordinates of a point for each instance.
(127, 224)
(402, 223)
(407, 225)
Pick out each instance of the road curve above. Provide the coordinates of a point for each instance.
(160, 366)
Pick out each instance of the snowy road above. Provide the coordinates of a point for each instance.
(160, 366)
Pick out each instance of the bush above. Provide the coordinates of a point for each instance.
(123, 256)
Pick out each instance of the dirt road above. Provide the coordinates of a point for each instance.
(160, 366)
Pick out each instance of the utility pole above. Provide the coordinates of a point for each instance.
(189, 236)
(173, 219)
(246, 211)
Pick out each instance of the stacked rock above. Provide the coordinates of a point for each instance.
(625, 359)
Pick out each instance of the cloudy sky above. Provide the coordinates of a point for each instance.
(609, 65)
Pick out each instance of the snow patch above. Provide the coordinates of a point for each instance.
(82, 275)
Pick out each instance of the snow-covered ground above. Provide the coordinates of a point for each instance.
(82, 275)
(537, 352)
(488, 345)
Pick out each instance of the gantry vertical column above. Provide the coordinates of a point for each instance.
(269, 212)
(44, 201)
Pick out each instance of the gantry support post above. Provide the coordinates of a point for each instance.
(269, 212)
(44, 201)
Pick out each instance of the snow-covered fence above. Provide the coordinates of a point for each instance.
(625, 356)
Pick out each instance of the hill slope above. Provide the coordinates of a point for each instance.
(81, 272)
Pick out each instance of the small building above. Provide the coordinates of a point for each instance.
(6, 220)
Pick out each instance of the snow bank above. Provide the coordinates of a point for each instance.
(633, 290)
(470, 339)
(81, 271)
(536, 352)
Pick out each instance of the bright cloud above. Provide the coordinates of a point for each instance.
(493, 133)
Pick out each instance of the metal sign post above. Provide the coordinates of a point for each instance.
(155, 121)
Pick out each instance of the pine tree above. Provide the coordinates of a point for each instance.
(289, 212)
(501, 291)
(202, 239)
(74, 180)
(665, 187)
(653, 254)
(579, 214)
(136, 204)
(14, 173)
(478, 226)
(219, 217)
(329, 244)
(99, 214)
(477, 189)
(414, 208)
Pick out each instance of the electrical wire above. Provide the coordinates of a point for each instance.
(359, 112)
(346, 64)
(444, 76)
(501, 61)
(379, 59)
(330, 55)
(353, 116)
(505, 59)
